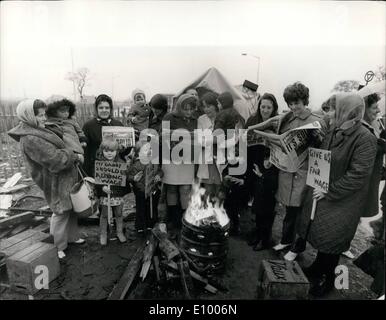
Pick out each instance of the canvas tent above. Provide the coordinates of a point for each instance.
(213, 80)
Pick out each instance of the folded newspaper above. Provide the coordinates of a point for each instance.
(290, 149)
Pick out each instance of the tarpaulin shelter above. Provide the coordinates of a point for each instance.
(213, 80)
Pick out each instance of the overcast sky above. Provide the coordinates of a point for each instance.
(160, 46)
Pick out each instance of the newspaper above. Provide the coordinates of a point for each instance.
(123, 135)
(290, 149)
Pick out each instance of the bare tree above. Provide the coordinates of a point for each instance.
(79, 79)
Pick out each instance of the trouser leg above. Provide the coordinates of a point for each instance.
(289, 222)
(59, 227)
(268, 218)
(73, 231)
(325, 263)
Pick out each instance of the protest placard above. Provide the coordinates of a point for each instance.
(290, 149)
(123, 135)
(110, 173)
(319, 163)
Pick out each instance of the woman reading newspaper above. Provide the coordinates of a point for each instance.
(292, 184)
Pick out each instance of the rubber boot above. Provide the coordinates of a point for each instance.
(103, 230)
(120, 235)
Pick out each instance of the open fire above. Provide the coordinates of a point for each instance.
(202, 211)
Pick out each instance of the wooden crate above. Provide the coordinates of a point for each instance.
(280, 279)
(22, 240)
(21, 267)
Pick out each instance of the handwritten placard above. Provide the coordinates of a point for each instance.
(110, 173)
(319, 163)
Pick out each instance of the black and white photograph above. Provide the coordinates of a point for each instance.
(199, 152)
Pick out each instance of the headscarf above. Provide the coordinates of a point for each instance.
(25, 113)
(349, 110)
(183, 100)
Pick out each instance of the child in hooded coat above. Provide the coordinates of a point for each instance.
(138, 116)
(60, 119)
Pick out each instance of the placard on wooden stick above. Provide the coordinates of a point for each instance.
(319, 163)
(110, 173)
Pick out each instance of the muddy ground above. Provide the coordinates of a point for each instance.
(90, 271)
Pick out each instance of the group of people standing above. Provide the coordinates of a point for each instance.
(56, 148)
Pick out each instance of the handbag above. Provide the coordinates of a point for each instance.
(83, 199)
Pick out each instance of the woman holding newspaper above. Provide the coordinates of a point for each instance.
(93, 131)
(353, 149)
(292, 183)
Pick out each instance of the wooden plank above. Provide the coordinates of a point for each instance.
(13, 180)
(44, 227)
(166, 246)
(20, 228)
(156, 267)
(5, 201)
(186, 280)
(21, 241)
(13, 189)
(128, 276)
(195, 276)
(148, 255)
(19, 218)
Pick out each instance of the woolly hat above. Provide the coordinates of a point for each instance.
(159, 102)
(136, 92)
(185, 99)
(226, 100)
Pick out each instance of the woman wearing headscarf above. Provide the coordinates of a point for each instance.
(353, 149)
(93, 131)
(178, 178)
(52, 168)
(262, 177)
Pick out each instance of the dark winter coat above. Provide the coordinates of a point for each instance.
(372, 207)
(338, 214)
(52, 166)
(93, 132)
(135, 167)
(71, 131)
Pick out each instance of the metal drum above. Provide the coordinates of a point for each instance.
(207, 246)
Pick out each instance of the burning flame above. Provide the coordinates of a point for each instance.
(201, 211)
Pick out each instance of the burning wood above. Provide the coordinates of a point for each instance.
(202, 211)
